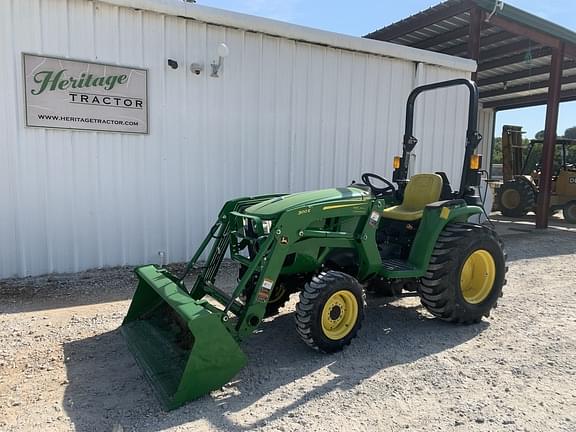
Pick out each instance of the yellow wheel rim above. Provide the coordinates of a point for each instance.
(510, 198)
(339, 315)
(277, 293)
(477, 276)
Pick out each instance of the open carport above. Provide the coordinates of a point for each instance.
(523, 60)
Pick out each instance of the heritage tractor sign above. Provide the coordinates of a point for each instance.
(71, 94)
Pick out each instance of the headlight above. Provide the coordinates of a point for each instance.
(266, 226)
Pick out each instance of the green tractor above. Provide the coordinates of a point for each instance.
(330, 246)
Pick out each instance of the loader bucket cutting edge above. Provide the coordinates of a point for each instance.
(184, 349)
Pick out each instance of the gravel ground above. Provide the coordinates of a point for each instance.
(64, 365)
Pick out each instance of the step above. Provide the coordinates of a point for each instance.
(395, 265)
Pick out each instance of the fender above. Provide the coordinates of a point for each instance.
(436, 216)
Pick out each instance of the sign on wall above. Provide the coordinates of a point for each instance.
(72, 94)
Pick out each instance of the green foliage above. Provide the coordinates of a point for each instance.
(571, 154)
(570, 133)
(497, 151)
(536, 154)
(533, 159)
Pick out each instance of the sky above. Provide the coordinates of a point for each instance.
(363, 16)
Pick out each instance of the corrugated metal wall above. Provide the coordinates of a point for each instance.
(284, 116)
(486, 118)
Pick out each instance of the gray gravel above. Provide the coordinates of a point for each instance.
(64, 365)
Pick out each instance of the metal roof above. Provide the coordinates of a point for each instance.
(515, 48)
(235, 20)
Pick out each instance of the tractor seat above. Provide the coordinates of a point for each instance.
(421, 190)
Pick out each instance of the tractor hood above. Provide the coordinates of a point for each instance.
(272, 208)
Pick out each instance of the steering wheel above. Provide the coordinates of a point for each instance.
(378, 191)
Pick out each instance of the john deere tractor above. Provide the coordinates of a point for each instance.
(329, 246)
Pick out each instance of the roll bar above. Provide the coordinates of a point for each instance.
(473, 138)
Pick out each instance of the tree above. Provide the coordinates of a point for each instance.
(497, 151)
(570, 133)
(533, 159)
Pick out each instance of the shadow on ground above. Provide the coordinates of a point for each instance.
(64, 290)
(106, 386)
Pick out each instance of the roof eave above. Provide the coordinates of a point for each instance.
(295, 32)
(522, 17)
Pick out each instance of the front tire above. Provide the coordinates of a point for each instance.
(516, 198)
(465, 275)
(330, 311)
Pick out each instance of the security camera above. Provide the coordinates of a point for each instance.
(196, 68)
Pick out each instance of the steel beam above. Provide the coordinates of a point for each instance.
(524, 87)
(570, 50)
(506, 61)
(547, 161)
(522, 30)
(422, 20)
(474, 37)
(462, 48)
(541, 70)
(443, 38)
(527, 101)
(509, 49)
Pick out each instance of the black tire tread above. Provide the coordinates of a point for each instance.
(567, 214)
(527, 198)
(436, 290)
(305, 310)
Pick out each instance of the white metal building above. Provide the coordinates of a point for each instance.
(293, 108)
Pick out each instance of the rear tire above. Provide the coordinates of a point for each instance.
(569, 212)
(465, 275)
(330, 311)
(516, 198)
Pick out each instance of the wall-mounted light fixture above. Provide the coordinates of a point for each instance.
(223, 52)
(173, 63)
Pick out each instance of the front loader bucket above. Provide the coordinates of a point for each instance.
(180, 343)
